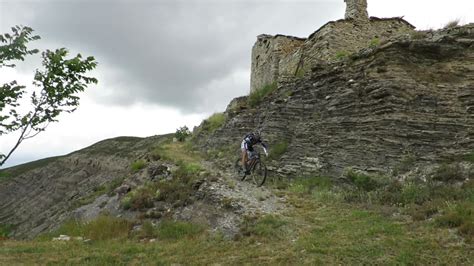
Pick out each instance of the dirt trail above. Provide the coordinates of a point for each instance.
(251, 200)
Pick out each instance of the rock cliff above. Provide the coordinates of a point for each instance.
(410, 96)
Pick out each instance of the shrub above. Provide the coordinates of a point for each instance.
(452, 24)
(362, 181)
(468, 157)
(278, 150)
(138, 165)
(139, 198)
(414, 193)
(257, 96)
(214, 122)
(178, 230)
(449, 173)
(182, 133)
(459, 216)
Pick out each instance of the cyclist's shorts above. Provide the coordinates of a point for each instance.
(243, 146)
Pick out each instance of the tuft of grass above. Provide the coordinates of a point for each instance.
(341, 55)
(452, 24)
(363, 181)
(278, 150)
(138, 165)
(414, 193)
(178, 230)
(449, 173)
(306, 185)
(374, 42)
(257, 96)
(469, 157)
(214, 122)
(5, 230)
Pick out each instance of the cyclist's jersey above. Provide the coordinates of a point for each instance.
(250, 140)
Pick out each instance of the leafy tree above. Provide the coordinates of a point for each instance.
(54, 91)
(182, 133)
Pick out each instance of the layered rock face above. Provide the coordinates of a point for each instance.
(42, 197)
(409, 96)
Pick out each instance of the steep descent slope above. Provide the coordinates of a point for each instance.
(39, 196)
(410, 96)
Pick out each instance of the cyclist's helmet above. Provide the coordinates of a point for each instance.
(258, 135)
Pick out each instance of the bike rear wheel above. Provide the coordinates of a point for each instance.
(259, 173)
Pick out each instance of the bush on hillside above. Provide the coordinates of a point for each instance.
(214, 122)
(278, 150)
(182, 133)
(138, 165)
(257, 96)
(452, 24)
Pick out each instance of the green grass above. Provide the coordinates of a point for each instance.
(278, 150)
(4, 176)
(256, 97)
(103, 228)
(213, 122)
(5, 230)
(268, 226)
(178, 230)
(138, 165)
(341, 55)
(316, 231)
(469, 157)
(461, 216)
(374, 42)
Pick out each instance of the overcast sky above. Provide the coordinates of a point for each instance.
(168, 63)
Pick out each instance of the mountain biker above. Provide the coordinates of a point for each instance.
(248, 142)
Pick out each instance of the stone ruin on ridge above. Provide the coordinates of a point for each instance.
(280, 56)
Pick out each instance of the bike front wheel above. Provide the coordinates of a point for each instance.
(259, 173)
(239, 171)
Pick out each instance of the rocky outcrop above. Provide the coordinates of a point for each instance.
(411, 95)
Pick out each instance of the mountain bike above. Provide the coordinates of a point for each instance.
(257, 169)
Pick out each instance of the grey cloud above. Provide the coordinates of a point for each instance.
(172, 52)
